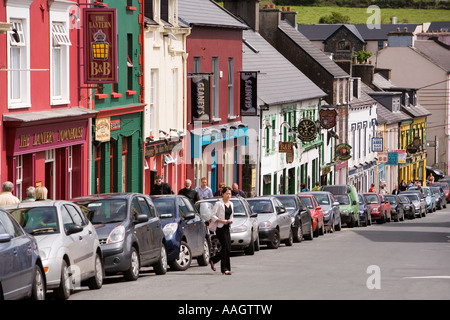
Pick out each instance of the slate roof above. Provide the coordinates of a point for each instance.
(381, 33)
(206, 13)
(439, 26)
(434, 52)
(279, 81)
(314, 52)
(322, 32)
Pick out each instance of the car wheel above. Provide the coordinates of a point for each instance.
(184, 258)
(132, 274)
(96, 281)
(299, 234)
(203, 260)
(338, 226)
(63, 291)
(289, 241)
(250, 250)
(161, 266)
(310, 235)
(38, 289)
(257, 247)
(275, 243)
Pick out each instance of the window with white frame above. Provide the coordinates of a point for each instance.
(59, 89)
(215, 87)
(19, 77)
(153, 99)
(19, 176)
(230, 86)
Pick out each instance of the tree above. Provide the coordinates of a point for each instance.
(334, 18)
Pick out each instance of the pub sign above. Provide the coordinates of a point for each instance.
(200, 97)
(248, 93)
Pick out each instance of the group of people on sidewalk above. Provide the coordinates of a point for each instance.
(194, 194)
(33, 194)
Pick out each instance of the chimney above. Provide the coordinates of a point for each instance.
(400, 38)
(247, 10)
(364, 71)
(290, 16)
(384, 72)
(269, 20)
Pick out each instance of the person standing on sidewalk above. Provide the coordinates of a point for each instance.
(204, 192)
(6, 197)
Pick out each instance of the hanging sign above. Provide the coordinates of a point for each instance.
(248, 93)
(343, 151)
(328, 118)
(377, 144)
(100, 45)
(285, 147)
(200, 97)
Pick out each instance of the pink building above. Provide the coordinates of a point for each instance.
(46, 119)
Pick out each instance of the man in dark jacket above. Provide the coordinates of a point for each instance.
(161, 187)
(189, 192)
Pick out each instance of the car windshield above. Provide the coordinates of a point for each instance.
(261, 206)
(307, 201)
(426, 192)
(435, 190)
(371, 198)
(412, 197)
(104, 210)
(391, 199)
(165, 207)
(322, 199)
(360, 199)
(37, 220)
(238, 208)
(288, 203)
(443, 185)
(403, 199)
(205, 207)
(342, 198)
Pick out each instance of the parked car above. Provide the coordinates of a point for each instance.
(377, 207)
(397, 209)
(330, 208)
(68, 243)
(387, 207)
(244, 231)
(365, 218)
(349, 206)
(316, 212)
(21, 270)
(185, 231)
(301, 219)
(418, 200)
(274, 221)
(408, 206)
(130, 232)
(445, 186)
(439, 193)
(429, 197)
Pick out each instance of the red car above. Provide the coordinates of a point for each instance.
(445, 186)
(316, 213)
(387, 207)
(377, 207)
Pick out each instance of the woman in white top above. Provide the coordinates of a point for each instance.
(222, 217)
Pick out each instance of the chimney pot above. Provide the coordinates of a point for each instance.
(272, 6)
(289, 9)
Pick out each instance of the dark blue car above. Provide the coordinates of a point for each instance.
(21, 271)
(364, 216)
(185, 231)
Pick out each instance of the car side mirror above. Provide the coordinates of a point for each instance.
(5, 237)
(141, 218)
(336, 203)
(354, 202)
(319, 208)
(281, 210)
(73, 228)
(253, 215)
(189, 215)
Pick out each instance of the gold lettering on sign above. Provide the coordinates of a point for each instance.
(70, 134)
(24, 141)
(43, 138)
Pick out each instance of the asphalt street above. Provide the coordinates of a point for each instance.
(406, 260)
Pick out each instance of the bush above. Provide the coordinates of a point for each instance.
(334, 18)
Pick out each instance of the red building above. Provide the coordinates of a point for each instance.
(46, 118)
(217, 135)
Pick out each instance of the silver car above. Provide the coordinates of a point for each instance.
(244, 230)
(274, 221)
(419, 203)
(68, 244)
(330, 208)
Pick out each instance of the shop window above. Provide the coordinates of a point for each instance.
(124, 163)
(19, 177)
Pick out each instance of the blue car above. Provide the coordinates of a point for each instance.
(21, 272)
(365, 218)
(185, 231)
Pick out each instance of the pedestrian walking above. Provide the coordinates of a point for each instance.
(204, 192)
(303, 188)
(372, 188)
(403, 186)
(31, 194)
(6, 197)
(430, 178)
(189, 192)
(41, 193)
(221, 219)
(235, 191)
(161, 187)
(396, 190)
(382, 190)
